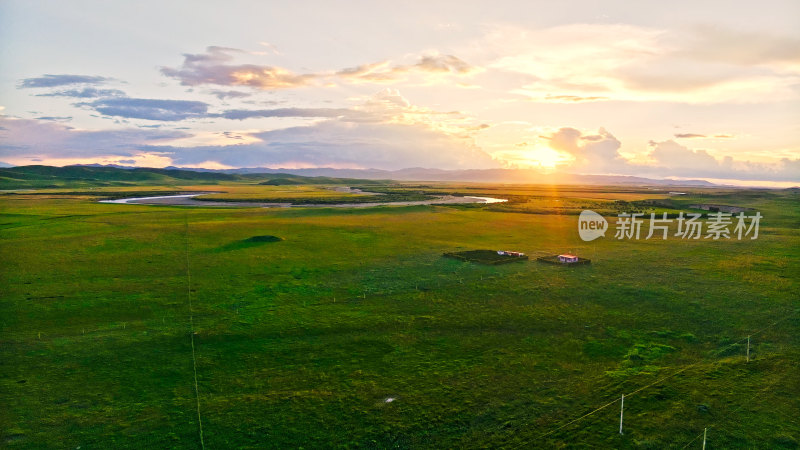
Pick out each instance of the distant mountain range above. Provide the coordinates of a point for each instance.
(507, 176)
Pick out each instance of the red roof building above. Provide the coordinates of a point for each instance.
(567, 258)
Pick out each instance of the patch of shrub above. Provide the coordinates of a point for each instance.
(265, 238)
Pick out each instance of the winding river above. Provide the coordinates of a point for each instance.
(188, 200)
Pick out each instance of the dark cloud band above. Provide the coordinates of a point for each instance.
(48, 81)
(149, 109)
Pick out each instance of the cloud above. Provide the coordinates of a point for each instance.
(387, 105)
(241, 114)
(272, 48)
(668, 158)
(385, 131)
(149, 109)
(362, 70)
(342, 144)
(593, 62)
(25, 140)
(87, 92)
(671, 155)
(443, 63)
(47, 81)
(212, 68)
(55, 118)
(572, 98)
(435, 65)
(702, 136)
(389, 99)
(596, 152)
(222, 95)
(747, 48)
(599, 154)
(215, 67)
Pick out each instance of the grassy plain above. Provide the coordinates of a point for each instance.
(308, 194)
(300, 342)
(250, 192)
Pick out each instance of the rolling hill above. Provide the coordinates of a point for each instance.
(24, 177)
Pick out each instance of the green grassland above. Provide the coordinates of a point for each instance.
(307, 320)
(307, 194)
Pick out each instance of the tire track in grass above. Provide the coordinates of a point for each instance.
(191, 326)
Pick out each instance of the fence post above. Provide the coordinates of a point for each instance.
(705, 430)
(748, 348)
(621, 412)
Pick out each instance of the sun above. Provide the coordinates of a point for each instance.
(543, 157)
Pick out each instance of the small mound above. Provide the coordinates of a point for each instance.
(265, 238)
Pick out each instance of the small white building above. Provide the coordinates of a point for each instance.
(567, 258)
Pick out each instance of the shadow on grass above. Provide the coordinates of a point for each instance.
(254, 241)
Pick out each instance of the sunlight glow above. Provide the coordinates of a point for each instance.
(539, 157)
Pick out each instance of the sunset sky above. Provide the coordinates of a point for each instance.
(679, 89)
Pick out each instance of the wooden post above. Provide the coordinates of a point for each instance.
(705, 430)
(621, 412)
(748, 348)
